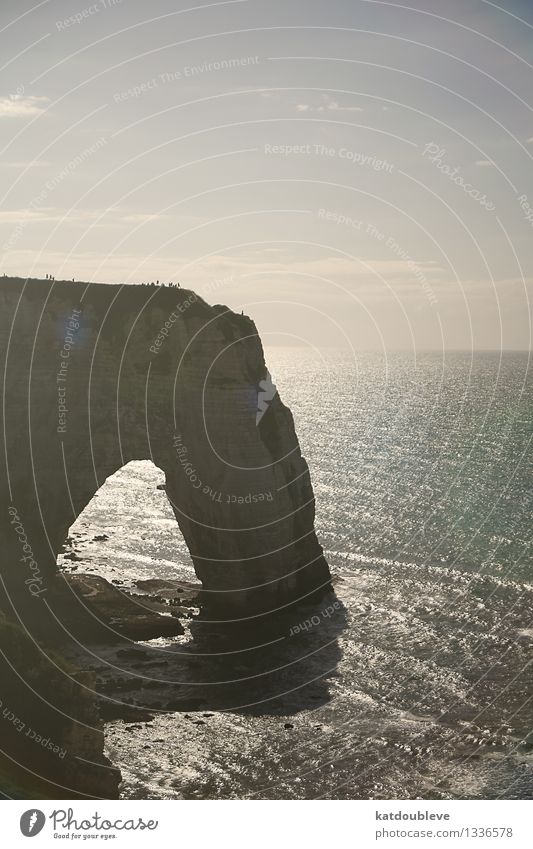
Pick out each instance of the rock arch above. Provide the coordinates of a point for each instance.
(98, 375)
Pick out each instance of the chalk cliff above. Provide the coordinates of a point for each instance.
(98, 375)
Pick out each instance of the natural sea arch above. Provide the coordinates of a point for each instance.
(187, 394)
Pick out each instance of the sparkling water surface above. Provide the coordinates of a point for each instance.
(422, 474)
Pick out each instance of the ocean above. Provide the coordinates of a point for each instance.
(421, 468)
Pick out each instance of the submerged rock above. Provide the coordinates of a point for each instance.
(120, 611)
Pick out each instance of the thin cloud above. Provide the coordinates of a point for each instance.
(47, 214)
(141, 217)
(334, 106)
(19, 106)
(327, 105)
(14, 216)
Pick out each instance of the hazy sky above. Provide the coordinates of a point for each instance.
(349, 172)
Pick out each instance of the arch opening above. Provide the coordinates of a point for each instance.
(126, 560)
(128, 532)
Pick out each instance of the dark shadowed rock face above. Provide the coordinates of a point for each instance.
(51, 733)
(98, 375)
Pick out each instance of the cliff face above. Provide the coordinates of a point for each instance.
(51, 734)
(98, 375)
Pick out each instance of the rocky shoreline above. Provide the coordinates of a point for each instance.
(132, 655)
(183, 705)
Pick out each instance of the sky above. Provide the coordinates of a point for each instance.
(356, 173)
